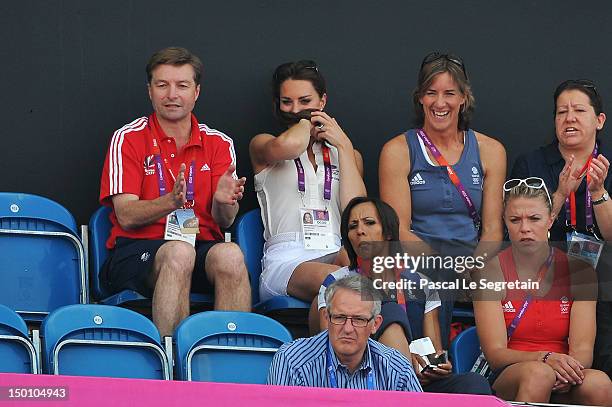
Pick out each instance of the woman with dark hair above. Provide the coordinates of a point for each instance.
(575, 166)
(310, 167)
(370, 229)
(443, 178)
(537, 332)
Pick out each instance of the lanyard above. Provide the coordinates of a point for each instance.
(366, 265)
(453, 176)
(570, 202)
(541, 273)
(331, 370)
(328, 173)
(161, 183)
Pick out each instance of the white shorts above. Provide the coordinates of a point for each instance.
(280, 260)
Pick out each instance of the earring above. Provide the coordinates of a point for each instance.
(549, 234)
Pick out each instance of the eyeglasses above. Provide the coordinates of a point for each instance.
(531, 182)
(357, 322)
(584, 83)
(434, 56)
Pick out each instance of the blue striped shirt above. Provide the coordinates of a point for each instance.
(303, 363)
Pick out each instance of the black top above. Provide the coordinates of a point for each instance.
(546, 162)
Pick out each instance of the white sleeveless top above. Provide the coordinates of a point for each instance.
(280, 199)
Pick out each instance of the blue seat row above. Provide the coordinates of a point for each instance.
(98, 340)
(42, 258)
(102, 340)
(17, 352)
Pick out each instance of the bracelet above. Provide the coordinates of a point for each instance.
(545, 358)
(604, 198)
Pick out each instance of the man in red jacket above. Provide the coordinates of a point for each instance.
(172, 186)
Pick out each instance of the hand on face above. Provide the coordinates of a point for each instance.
(326, 128)
(290, 119)
(229, 190)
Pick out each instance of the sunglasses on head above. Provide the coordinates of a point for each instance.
(531, 182)
(434, 56)
(307, 64)
(298, 66)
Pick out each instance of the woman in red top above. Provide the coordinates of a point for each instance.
(548, 354)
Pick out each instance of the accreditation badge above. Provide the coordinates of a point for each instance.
(317, 229)
(182, 225)
(584, 247)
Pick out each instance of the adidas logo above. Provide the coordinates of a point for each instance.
(417, 180)
(205, 168)
(508, 307)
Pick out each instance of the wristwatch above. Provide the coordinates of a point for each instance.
(605, 197)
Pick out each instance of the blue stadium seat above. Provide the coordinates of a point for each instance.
(102, 340)
(227, 346)
(17, 354)
(249, 236)
(42, 266)
(464, 350)
(99, 230)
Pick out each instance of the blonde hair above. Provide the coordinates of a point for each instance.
(524, 191)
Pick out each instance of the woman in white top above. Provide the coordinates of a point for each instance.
(311, 167)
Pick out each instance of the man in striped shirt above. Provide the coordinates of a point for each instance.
(165, 169)
(344, 356)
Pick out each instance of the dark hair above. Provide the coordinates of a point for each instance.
(175, 56)
(388, 220)
(305, 70)
(434, 64)
(586, 86)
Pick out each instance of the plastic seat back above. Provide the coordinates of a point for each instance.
(17, 354)
(249, 236)
(42, 266)
(225, 346)
(464, 350)
(102, 340)
(99, 231)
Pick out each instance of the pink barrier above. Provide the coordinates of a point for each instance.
(107, 392)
